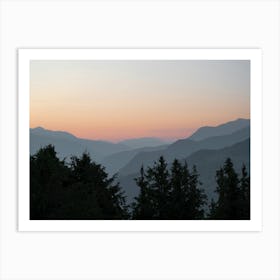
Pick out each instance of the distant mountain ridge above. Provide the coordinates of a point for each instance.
(124, 158)
(207, 162)
(137, 143)
(40, 131)
(207, 148)
(183, 148)
(222, 129)
(67, 144)
(115, 162)
(118, 161)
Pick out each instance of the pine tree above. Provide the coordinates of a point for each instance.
(244, 194)
(48, 175)
(179, 182)
(143, 207)
(158, 179)
(196, 197)
(79, 190)
(153, 200)
(104, 198)
(233, 194)
(165, 194)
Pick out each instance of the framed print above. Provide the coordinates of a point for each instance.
(90, 89)
(140, 140)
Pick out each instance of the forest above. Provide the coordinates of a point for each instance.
(82, 190)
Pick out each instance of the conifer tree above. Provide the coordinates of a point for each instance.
(48, 175)
(196, 197)
(179, 188)
(109, 200)
(143, 206)
(233, 194)
(158, 180)
(79, 190)
(244, 194)
(165, 194)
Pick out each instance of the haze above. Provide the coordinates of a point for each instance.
(116, 100)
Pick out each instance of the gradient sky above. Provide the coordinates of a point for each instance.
(116, 100)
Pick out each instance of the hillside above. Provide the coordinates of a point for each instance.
(207, 162)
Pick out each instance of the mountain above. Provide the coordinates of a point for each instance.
(207, 162)
(183, 148)
(40, 131)
(137, 143)
(115, 162)
(223, 129)
(67, 144)
(207, 153)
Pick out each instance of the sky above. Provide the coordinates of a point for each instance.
(117, 100)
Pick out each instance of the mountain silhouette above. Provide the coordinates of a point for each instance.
(137, 143)
(67, 144)
(222, 129)
(125, 159)
(207, 162)
(207, 148)
(183, 148)
(115, 162)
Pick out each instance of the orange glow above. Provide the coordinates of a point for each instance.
(121, 103)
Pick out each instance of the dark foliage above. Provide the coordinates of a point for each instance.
(169, 194)
(79, 191)
(233, 194)
(82, 190)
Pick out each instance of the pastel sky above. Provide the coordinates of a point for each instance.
(116, 100)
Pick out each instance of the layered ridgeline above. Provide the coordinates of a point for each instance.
(67, 144)
(207, 148)
(207, 162)
(229, 140)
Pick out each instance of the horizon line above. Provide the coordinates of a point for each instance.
(166, 139)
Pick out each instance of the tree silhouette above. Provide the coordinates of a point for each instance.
(97, 196)
(48, 175)
(179, 188)
(158, 178)
(196, 198)
(233, 194)
(169, 194)
(142, 208)
(153, 199)
(244, 194)
(81, 190)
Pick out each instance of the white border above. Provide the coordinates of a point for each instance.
(254, 55)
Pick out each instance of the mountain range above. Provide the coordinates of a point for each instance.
(223, 129)
(207, 162)
(207, 148)
(183, 148)
(138, 143)
(67, 144)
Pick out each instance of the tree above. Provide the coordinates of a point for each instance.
(245, 194)
(158, 178)
(179, 182)
(196, 198)
(233, 194)
(169, 194)
(103, 198)
(142, 208)
(79, 190)
(153, 199)
(48, 175)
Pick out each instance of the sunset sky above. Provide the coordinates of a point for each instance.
(116, 100)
